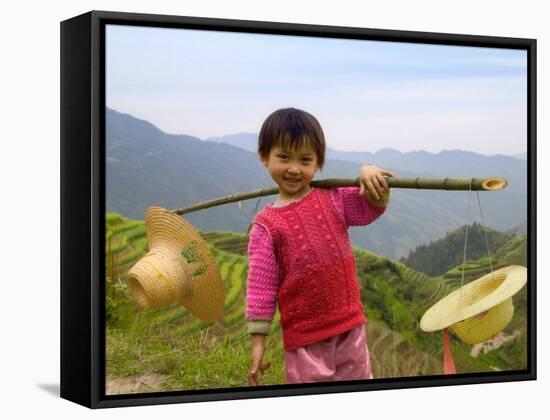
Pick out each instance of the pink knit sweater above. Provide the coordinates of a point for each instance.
(263, 281)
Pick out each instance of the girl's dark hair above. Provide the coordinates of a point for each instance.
(292, 128)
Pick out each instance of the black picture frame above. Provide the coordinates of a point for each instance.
(83, 207)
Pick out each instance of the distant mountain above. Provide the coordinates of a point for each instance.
(246, 141)
(447, 163)
(145, 167)
(519, 230)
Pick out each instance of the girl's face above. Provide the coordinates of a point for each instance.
(292, 170)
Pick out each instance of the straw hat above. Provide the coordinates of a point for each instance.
(479, 310)
(178, 268)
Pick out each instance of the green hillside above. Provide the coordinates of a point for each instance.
(439, 256)
(169, 349)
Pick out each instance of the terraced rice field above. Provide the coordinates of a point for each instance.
(397, 346)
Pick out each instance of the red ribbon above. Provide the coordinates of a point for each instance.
(449, 367)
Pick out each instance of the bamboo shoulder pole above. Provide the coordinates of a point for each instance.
(452, 184)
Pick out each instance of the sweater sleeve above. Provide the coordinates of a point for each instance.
(358, 210)
(262, 281)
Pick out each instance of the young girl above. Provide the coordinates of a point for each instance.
(300, 257)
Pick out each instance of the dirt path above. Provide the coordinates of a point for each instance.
(146, 382)
(493, 343)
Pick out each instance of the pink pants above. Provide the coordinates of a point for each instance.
(339, 358)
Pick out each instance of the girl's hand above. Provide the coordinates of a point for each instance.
(257, 367)
(372, 182)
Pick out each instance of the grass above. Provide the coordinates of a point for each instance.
(196, 361)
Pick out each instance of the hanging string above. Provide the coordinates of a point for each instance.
(465, 245)
(485, 234)
(449, 367)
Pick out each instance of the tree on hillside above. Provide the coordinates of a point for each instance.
(439, 256)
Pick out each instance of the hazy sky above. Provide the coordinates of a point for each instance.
(367, 95)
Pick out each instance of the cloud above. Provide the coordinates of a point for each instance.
(397, 95)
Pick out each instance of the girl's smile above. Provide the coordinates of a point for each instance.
(292, 170)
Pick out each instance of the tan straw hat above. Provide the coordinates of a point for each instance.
(479, 310)
(178, 268)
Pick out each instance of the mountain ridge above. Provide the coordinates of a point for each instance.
(145, 167)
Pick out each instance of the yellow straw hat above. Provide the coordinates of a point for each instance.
(178, 268)
(479, 310)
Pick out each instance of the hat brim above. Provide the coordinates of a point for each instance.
(173, 234)
(475, 298)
